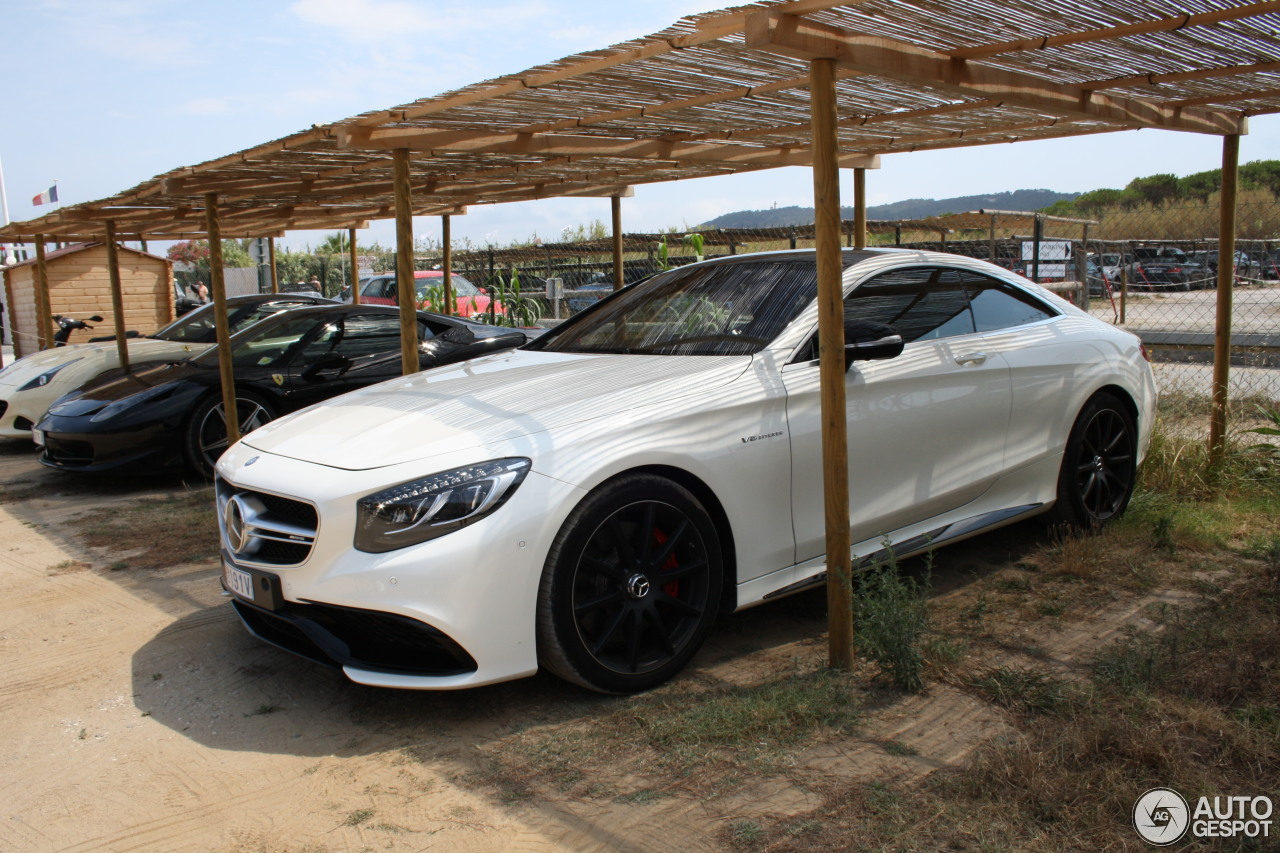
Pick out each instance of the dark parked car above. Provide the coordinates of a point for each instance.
(170, 415)
(1164, 268)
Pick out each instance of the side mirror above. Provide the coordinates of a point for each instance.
(95, 318)
(868, 341)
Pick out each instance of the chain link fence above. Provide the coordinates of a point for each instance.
(1150, 270)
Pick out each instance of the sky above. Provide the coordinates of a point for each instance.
(104, 94)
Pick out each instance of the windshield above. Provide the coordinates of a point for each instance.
(197, 327)
(715, 309)
(268, 346)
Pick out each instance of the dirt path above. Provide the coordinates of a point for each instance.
(139, 716)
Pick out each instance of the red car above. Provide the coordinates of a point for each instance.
(469, 300)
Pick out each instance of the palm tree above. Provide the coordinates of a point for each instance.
(334, 244)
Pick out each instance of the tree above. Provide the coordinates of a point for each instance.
(196, 253)
(1155, 189)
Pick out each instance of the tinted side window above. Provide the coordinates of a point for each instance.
(915, 302)
(368, 334)
(999, 306)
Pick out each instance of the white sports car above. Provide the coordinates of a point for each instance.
(30, 385)
(590, 502)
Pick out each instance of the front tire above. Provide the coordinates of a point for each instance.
(631, 586)
(204, 435)
(1099, 466)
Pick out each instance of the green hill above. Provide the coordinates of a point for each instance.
(914, 208)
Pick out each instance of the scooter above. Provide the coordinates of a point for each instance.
(67, 325)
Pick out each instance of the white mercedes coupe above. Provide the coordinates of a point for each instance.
(590, 502)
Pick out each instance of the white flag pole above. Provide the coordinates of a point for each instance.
(4, 199)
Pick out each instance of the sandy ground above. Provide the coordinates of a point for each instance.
(138, 715)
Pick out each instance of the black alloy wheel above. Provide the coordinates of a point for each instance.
(205, 433)
(631, 586)
(1099, 467)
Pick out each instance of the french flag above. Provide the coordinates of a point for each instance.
(47, 197)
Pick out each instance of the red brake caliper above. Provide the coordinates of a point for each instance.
(673, 588)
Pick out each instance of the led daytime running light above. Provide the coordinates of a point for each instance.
(424, 509)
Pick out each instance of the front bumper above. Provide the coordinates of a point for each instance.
(71, 444)
(457, 611)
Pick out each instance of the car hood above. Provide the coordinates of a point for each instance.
(103, 356)
(484, 402)
(96, 396)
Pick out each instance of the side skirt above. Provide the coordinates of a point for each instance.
(948, 534)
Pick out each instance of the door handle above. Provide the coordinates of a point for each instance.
(972, 358)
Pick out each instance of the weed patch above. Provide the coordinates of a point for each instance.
(891, 615)
(154, 532)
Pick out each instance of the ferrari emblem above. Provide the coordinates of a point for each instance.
(278, 378)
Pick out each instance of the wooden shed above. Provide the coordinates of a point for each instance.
(80, 286)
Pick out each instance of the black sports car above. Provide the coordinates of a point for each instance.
(169, 415)
(197, 327)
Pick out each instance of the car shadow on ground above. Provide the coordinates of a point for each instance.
(205, 677)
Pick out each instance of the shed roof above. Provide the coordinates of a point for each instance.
(727, 92)
(76, 248)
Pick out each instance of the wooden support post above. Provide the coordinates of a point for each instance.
(43, 311)
(835, 449)
(1226, 283)
(355, 265)
(991, 240)
(221, 327)
(615, 207)
(271, 259)
(859, 209)
(446, 251)
(117, 295)
(406, 290)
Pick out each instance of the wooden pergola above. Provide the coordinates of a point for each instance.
(815, 83)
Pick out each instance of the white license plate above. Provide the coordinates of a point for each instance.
(241, 583)
(37, 435)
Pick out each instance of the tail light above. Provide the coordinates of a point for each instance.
(1142, 348)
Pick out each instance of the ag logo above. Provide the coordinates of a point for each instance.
(1161, 816)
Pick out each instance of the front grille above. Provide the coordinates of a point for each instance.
(4, 407)
(72, 454)
(21, 422)
(367, 639)
(282, 530)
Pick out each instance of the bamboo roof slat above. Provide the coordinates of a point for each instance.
(727, 92)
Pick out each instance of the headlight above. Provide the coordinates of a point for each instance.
(44, 378)
(421, 510)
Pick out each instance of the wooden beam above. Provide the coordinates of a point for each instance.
(354, 258)
(117, 295)
(835, 453)
(550, 145)
(446, 263)
(43, 311)
(406, 289)
(806, 39)
(1181, 76)
(275, 273)
(1225, 294)
(615, 209)
(860, 208)
(1160, 25)
(1225, 98)
(222, 328)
